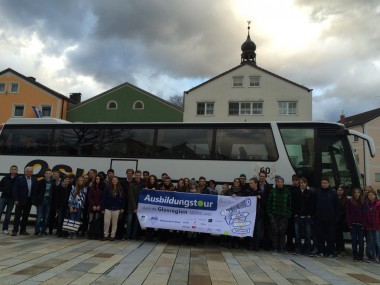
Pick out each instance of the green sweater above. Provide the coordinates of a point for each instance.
(279, 203)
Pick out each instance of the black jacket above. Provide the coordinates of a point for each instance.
(303, 202)
(6, 186)
(38, 194)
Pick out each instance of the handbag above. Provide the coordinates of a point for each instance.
(71, 225)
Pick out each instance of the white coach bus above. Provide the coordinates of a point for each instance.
(219, 151)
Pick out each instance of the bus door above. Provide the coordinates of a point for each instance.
(121, 165)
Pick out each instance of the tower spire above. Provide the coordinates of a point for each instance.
(248, 48)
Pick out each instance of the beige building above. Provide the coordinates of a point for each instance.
(248, 93)
(367, 123)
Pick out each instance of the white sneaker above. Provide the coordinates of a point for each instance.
(5, 232)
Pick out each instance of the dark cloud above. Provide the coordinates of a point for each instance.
(167, 46)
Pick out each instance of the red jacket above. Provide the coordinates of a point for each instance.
(372, 215)
(95, 197)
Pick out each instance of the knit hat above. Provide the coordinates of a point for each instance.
(192, 181)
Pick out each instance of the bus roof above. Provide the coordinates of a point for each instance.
(19, 121)
(41, 121)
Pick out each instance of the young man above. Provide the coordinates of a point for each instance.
(110, 175)
(133, 200)
(279, 210)
(302, 204)
(6, 200)
(203, 189)
(326, 205)
(22, 195)
(265, 189)
(41, 199)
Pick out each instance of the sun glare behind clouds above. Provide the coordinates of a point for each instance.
(280, 22)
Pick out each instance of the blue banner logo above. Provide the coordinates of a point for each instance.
(179, 200)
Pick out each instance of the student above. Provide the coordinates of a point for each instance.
(372, 223)
(133, 200)
(279, 210)
(180, 186)
(212, 187)
(95, 198)
(225, 188)
(6, 201)
(60, 199)
(341, 221)
(167, 185)
(254, 241)
(355, 222)
(77, 200)
(203, 186)
(41, 199)
(326, 205)
(302, 205)
(265, 188)
(112, 206)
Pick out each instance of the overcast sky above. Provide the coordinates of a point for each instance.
(169, 46)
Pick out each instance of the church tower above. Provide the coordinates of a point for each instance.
(248, 49)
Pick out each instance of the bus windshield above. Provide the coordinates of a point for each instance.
(310, 148)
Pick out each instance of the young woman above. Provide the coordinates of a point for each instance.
(77, 201)
(112, 205)
(225, 189)
(180, 185)
(193, 187)
(95, 197)
(341, 221)
(372, 223)
(186, 181)
(152, 184)
(355, 221)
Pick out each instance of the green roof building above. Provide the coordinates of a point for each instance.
(125, 103)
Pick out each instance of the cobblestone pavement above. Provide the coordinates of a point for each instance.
(52, 260)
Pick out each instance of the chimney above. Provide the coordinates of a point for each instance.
(342, 119)
(32, 78)
(76, 97)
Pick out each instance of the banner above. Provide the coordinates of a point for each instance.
(223, 215)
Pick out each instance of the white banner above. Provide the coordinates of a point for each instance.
(224, 215)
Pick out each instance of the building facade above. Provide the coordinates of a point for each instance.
(125, 103)
(367, 123)
(248, 93)
(24, 97)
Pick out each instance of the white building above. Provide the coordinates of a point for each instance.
(367, 123)
(248, 93)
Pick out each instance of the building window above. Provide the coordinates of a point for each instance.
(287, 108)
(2, 87)
(356, 138)
(357, 158)
(18, 111)
(377, 177)
(237, 81)
(245, 108)
(112, 105)
(13, 87)
(138, 105)
(254, 81)
(46, 110)
(205, 108)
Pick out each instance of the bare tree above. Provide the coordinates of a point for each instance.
(176, 100)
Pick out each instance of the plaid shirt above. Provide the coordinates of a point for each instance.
(279, 203)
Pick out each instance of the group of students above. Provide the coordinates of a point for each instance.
(286, 215)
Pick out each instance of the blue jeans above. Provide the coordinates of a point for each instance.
(42, 216)
(132, 226)
(371, 244)
(76, 216)
(4, 202)
(302, 226)
(357, 238)
(378, 243)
